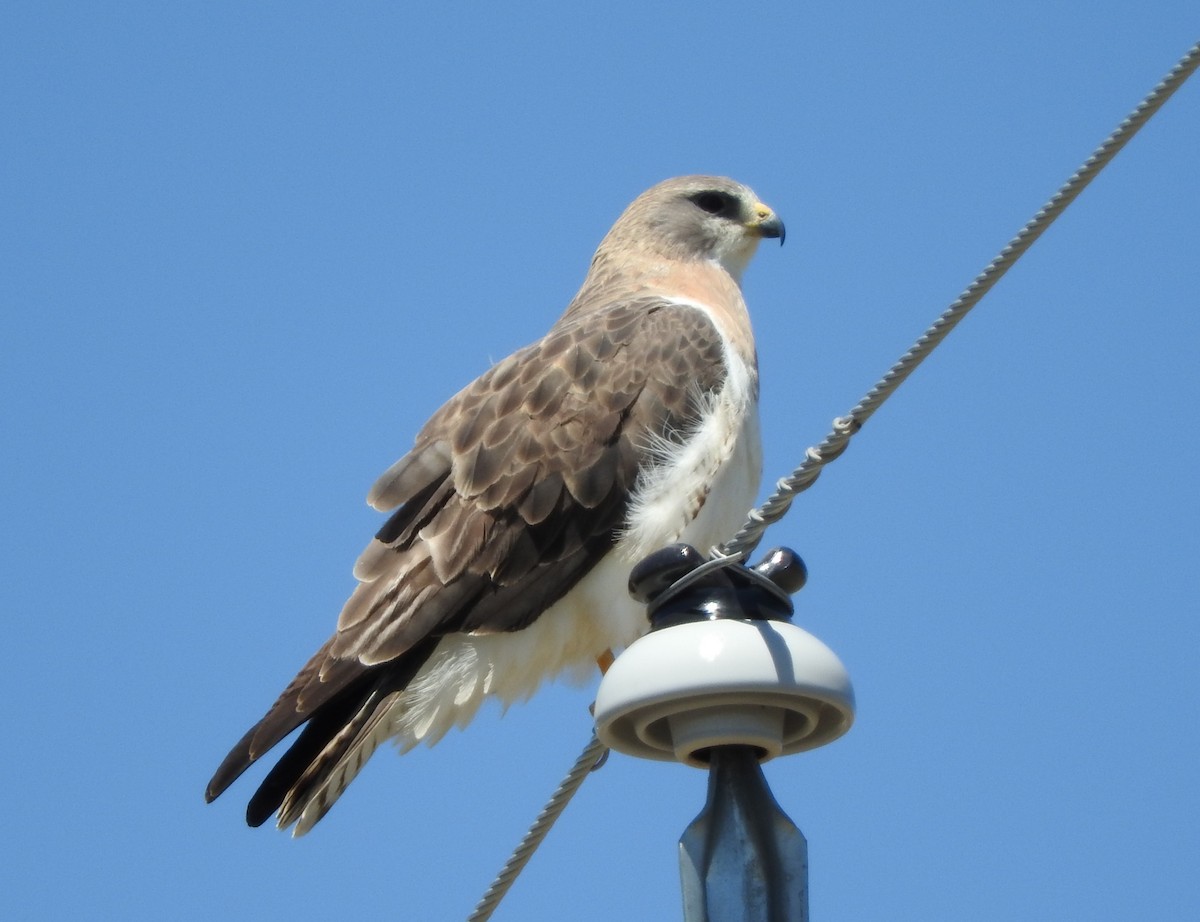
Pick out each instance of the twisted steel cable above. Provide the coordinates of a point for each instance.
(590, 759)
(844, 427)
(743, 543)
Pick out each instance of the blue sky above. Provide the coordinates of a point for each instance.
(247, 249)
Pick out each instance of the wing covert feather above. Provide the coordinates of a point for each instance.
(519, 484)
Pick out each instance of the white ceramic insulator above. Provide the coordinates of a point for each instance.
(681, 690)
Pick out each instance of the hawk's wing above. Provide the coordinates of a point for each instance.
(513, 491)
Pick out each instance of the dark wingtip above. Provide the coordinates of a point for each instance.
(256, 817)
(238, 760)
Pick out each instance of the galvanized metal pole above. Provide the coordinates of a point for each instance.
(742, 859)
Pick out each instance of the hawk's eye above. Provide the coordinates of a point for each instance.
(712, 202)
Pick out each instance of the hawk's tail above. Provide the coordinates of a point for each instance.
(342, 728)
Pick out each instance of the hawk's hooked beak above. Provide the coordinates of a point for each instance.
(766, 223)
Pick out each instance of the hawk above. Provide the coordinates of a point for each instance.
(527, 498)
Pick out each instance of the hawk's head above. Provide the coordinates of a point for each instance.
(696, 218)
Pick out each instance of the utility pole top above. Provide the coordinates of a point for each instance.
(725, 681)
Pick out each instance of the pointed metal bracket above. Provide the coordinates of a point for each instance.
(742, 858)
